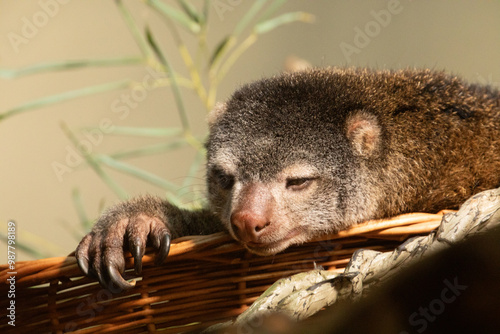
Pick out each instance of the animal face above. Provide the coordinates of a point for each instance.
(281, 168)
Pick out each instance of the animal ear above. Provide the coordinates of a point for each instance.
(296, 64)
(217, 111)
(364, 132)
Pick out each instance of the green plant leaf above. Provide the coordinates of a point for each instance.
(205, 11)
(68, 65)
(191, 11)
(175, 87)
(194, 169)
(149, 150)
(266, 26)
(142, 132)
(272, 9)
(58, 98)
(134, 29)
(94, 164)
(233, 57)
(136, 172)
(27, 248)
(174, 14)
(219, 50)
(173, 199)
(80, 210)
(76, 233)
(248, 17)
(228, 42)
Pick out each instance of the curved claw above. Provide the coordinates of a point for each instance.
(81, 254)
(138, 253)
(117, 279)
(83, 264)
(100, 278)
(163, 251)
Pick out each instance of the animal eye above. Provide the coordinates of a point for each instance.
(298, 183)
(224, 180)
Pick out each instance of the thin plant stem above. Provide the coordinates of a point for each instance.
(94, 164)
(177, 94)
(136, 172)
(136, 33)
(80, 210)
(233, 38)
(149, 150)
(58, 98)
(188, 61)
(247, 18)
(68, 65)
(233, 57)
(176, 15)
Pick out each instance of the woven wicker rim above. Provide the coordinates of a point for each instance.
(207, 279)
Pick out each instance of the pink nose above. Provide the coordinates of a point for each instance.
(248, 225)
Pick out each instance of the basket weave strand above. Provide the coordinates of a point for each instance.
(205, 280)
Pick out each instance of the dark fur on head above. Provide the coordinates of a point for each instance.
(381, 143)
(313, 152)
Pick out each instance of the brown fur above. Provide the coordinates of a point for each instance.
(303, 154)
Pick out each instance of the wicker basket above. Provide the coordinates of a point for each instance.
(205, 280)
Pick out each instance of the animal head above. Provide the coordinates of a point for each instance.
(284, 158)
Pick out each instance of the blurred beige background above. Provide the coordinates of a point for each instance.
(462, 37)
